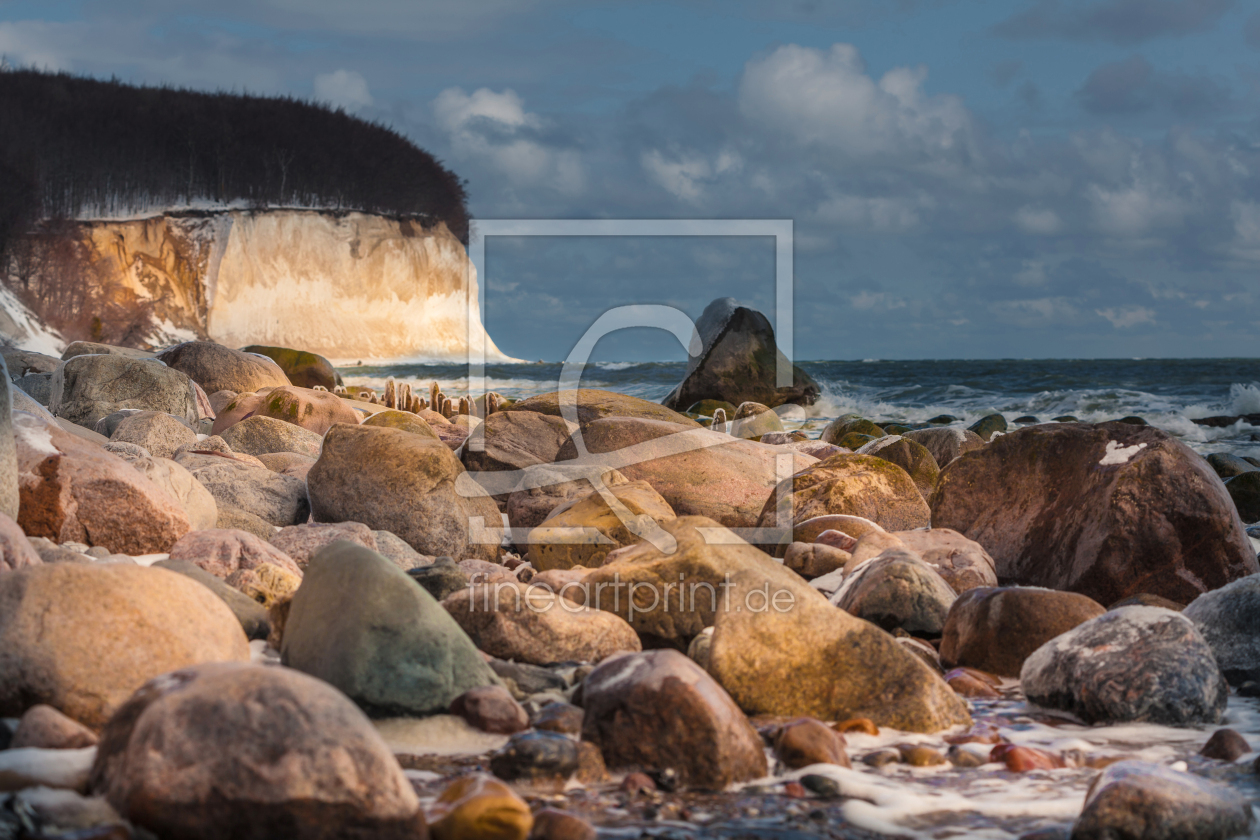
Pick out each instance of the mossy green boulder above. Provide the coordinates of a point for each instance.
(304, 369)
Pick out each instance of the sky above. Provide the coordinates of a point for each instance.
(965, 178)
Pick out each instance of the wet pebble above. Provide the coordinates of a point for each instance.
(881, 758)
(808, 741)
(554, 824)
(921, 756)
(536, 755)
(559, 717)
(823, 786)
(863, 725)
(1024, 759)
(1225, 745)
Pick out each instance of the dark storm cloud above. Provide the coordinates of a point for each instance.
(1133, 86)
(1114, 21)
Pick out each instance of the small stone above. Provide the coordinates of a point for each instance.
(823, 786)
(969, 685)
(554, 824)
(1225, 745)
(981, 733)
(883, 757)
(921, 756)
(960, 757)
(807, 741)
(536, 755)
(1024, 759)
(491, 708)
(44, 727)
(635, 783)
(863, 725)
(564, 718)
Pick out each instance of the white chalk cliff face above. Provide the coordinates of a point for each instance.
(350, 286)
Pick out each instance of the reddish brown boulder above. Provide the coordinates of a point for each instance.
(995, 630)
(947, 444)
(301, 542)
(807, 741)
(83, 637)
(242, 752)
(1107, 511)
(491, 708)
(852, 484)
(697, 471)
(513, 440)
(222, 551)
(705, 738)
(74, 491)
(44, 727)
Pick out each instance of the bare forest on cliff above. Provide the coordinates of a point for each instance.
(78, 148)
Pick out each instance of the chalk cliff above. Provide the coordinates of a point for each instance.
(348, 286)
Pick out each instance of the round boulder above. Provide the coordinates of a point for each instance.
(218, 368)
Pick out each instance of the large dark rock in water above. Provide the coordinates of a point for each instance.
(1134, 800)
(1108, 511)
(244, 752)
(738, 362)
(304, 369)
(1130, 664)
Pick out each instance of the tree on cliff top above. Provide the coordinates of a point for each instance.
(73, 147)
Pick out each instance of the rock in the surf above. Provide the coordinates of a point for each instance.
(738, 362)
(1130, 664)
(243, 752)
(1107, 511)
(1136, 800)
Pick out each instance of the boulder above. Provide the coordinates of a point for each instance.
(738, 362)
(946, 445)
(160, 434)
(304, 369)
(912, 457)
(441, 578)
(850, 424)
(1107, 511)
(1135, 800)
(514, 440)
(853, 485)
(1244, 490)
(82, 638)
(812, 560)
(897, 590)
(180, 485)
(805, 741)
(988, 426)
(302, 542)
(1229, 619)
(260, 435)
(604, 529)
(233, 519)
(531, 624)
(963, 563)
(697, 471)
(315, 411)
(16, 551)
(43, 727)
(93, 348)
(1131, 664)
(996, 629)
(221, 552)
(87, 388)
(753, 420)
(251, 615)
(242, 752)
(404, 483)
(278, 499)
(542, 489)
(593, 404)
(218, 368)
(406, 421)
(1227, 466)
(812, 448)
(359, 623)
(390, 546)
(538, 756)
(291, 464)
(19, 363)
(36, 387)
(73, 491)
(705, 739)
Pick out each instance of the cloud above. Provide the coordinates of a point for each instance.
(882, 214)
(825, 99)
(1114, 21)
(496, 129)
(344, 89)
(1127, 316)
(685, 176)
(1132, 86)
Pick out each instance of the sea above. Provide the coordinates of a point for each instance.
(1168, 393)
